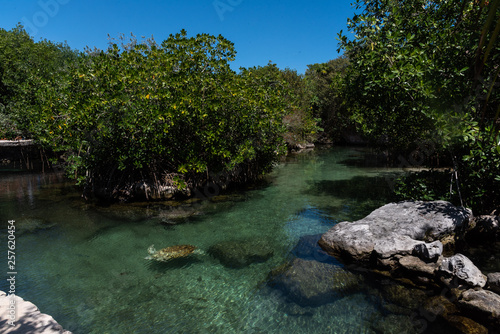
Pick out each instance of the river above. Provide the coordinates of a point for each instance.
(84, 264)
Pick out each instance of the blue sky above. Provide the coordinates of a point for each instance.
(290, 33)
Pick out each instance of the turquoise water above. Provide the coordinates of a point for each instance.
(85, 265)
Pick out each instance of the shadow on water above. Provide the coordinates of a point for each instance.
(365, 158)
(307, 248)
(359, 195)
(179, 263)
(359, 188)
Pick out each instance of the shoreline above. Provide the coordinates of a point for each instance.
(21, 316)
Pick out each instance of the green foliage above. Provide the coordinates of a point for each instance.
(25, 66)
(428, 69)
(301, 121)
(427, 186)
(476, 183)
(300, 124)
(411, 62)
(324, 84)
(480, 169)
(171, 114)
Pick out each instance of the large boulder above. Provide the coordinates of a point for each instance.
(396, 228)
(406, 241)
(482, 303)
(312, 283)
(241, 253)
(458, 269)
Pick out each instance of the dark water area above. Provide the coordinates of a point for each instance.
(85, 264)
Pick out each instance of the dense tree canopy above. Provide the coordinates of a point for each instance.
(175, 116)
(169, 114)
(417, 64)
(428, 70)
(324, 84)
(24, 64)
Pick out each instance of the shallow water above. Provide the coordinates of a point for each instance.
(85, 265)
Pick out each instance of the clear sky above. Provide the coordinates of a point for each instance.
(290, 33)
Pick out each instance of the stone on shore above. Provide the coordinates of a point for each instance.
(428, 251)
(416, 266)
(396, 228)
(459, 269)
(482, 303)
(28, 319)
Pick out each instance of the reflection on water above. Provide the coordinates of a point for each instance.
(85, 266)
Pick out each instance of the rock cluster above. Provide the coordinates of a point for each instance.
(406, 240)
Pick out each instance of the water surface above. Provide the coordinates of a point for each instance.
(85, 266)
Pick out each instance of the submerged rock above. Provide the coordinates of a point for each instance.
(440, 306)
(241, 253)
(32, 225)
(312, 283)
(465, 325)
(396, 324)
(403, 296)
